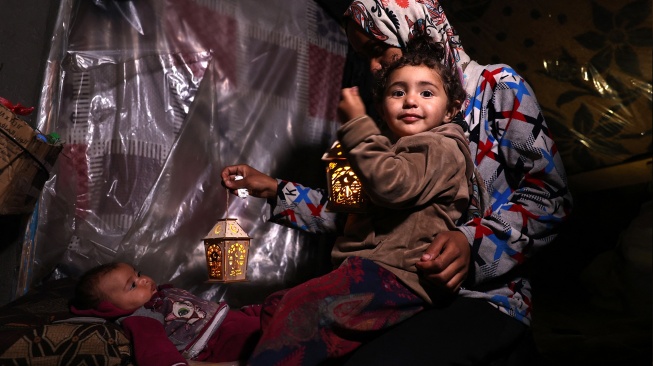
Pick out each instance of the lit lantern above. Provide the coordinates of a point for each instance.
(227, 248)
(344, 188)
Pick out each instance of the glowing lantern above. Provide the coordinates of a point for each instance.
(345, 189)
(227, 248)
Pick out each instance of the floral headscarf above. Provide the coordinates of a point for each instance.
(394, 22)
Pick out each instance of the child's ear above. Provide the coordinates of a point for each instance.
(454, 108)
(451, 113)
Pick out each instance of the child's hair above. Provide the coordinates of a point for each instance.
(87, 291)
(424, 50)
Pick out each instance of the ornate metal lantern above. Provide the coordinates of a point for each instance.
(344, 188)
(227, 248)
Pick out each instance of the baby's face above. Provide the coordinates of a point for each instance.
(127, 288)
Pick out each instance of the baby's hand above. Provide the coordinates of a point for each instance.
(351, 105)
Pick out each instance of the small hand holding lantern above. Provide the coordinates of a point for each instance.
(345, 189)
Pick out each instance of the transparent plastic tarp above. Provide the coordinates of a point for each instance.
(152, 99)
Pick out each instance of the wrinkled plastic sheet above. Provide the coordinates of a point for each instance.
(152, 99)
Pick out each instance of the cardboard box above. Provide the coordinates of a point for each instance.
(25, 164)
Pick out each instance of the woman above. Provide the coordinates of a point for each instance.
(526, 193)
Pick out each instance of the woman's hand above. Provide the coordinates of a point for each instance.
(446, 261)
(257, 183)
(351, 105)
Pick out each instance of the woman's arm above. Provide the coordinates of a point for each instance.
(258, 184)
(523, 173)
(304, 208)
(291, 204)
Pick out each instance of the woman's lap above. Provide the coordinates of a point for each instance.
(328, 317)
(465, 332)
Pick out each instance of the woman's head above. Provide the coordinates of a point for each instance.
(378, 54)
(380, 30)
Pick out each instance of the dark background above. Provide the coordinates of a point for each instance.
(25, 33)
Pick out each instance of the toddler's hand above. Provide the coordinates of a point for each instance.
(351, 105)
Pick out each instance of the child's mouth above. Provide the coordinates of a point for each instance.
(409, 118)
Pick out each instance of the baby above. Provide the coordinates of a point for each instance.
(166, 325)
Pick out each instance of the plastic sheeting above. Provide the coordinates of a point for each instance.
(152, 99)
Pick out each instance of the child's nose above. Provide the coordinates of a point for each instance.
(410, 101)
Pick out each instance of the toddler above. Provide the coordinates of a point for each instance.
(418, 181)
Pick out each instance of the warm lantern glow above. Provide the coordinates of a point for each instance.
(227, 249)
(214, 260)
(345, 189)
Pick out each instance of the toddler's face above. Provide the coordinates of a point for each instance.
(414, 101)
(127, 288)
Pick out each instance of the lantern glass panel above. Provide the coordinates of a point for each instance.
(214, 261)
(236, 259)
(344, 187)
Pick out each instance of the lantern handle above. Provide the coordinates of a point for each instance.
(226, 211)
(242, 193)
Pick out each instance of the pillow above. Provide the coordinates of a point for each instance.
(39, 329)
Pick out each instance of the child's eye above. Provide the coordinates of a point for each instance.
(133, 286)
(397, 93)
(427, 93)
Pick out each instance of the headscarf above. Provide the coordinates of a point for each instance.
(394, 22)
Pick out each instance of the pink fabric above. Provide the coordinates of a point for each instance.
(16, 108)
(236, 338)
(104, 310)
(148, 336)
(150, 342)
(324, 66)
